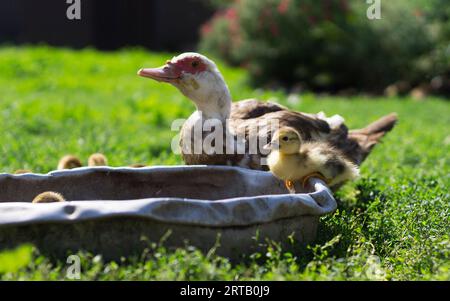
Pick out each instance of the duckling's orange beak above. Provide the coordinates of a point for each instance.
(167, 73)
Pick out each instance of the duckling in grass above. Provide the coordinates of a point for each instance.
(97, 159)
(292, 160)
(69, 162)
(49, 197)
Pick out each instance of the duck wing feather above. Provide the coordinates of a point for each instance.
(356, 145)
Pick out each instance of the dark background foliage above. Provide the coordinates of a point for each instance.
(332, 45)
(319, 45)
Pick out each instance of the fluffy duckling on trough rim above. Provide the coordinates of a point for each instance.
(97, 159)
(292, 160)
(49, 197)
(69, 162)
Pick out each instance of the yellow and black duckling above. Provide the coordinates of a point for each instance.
(49, 197)
(97, 159)
(69, 162)
(293, 160)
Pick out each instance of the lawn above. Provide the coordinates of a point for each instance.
(393, 223)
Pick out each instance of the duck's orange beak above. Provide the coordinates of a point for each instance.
(167, 73)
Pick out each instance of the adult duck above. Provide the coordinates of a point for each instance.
(199, 79)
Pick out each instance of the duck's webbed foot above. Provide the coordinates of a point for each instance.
(290, 186)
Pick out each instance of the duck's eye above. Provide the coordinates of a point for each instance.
(195, 64)
(285, 138)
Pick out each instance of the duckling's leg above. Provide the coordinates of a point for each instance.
(290, 186)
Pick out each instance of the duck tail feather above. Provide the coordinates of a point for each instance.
(371, 135)
(382, 125)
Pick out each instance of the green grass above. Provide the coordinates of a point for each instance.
(55, 101)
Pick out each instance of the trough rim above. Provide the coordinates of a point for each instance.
(252, 211)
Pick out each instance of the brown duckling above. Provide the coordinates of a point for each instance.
(49, 197)
(69, 162)
(97, 159)
(292, 160)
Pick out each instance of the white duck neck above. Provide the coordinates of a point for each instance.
(213, 98)
(216, 106)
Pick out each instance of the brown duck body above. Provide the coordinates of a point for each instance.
(355, 145)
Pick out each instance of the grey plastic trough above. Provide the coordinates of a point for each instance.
(110, 210)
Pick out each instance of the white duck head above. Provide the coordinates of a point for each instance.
(199, 79)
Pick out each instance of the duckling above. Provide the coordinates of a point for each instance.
(69, 162)
(22, 171)
(291, 160)
(49, 197)
(97, 159)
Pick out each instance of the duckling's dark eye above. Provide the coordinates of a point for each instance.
(285, 138)
(195, 64)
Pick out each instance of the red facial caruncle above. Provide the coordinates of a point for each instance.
(190, 64)
(173, 69)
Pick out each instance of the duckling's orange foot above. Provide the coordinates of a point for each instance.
(290, 186)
